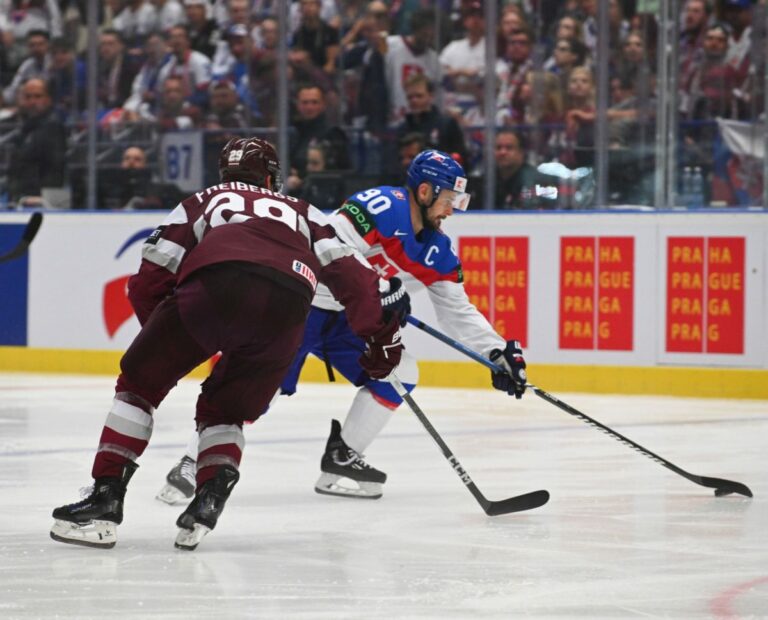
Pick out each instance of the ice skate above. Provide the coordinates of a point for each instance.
(345, 473)
(93, 521)
(204, 511)
(180, 482)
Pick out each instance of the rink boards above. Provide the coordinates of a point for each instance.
(626, 302)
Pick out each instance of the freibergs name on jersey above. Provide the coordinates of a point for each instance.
(359, 217)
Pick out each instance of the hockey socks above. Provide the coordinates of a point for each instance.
(125, 435)
(367, 417)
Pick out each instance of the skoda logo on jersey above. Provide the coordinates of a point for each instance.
(398, 194)
(116, 308)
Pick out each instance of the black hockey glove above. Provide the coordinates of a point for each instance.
(511, 359)
(396, 301)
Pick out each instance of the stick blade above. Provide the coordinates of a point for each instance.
(528, 501)
(726, 487)
(32, 227)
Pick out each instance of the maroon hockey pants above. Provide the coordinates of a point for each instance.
(256, 323)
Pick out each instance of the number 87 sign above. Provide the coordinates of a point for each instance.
(182, 159)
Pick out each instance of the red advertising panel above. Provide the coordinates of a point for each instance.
(577, 292)
(475, 254)
(685, 294)
(510, 316)
(725, 295)
(615, 293)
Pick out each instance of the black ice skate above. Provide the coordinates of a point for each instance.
(93, 521)
(204, 511)
(342, 462)
(180, 482)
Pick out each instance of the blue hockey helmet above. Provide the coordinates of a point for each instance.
(442, 172)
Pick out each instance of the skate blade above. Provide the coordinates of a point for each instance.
(189, 539)
(171, 495)
(329, 484)
(98, 534)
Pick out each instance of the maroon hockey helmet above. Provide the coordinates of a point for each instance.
(251, 160)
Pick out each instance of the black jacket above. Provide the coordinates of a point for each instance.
(440, 131)
(39, 156)
(318, 131)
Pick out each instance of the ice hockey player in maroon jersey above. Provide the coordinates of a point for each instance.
(233, 269)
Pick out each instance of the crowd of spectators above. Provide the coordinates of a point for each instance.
(369, 80)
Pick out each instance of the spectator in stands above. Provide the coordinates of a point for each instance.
(238, 12)
(304, 71)
(325, 191)
(227, 112)
(516, 180)
(738, 15)
(145, 90)
(695, 17)
(131, 186)
(66, 80)
(440, 131)
(407, 55)
(234, 64)
(312, 127)
(569, 27)
(170, 13)
(203, 31)
(116, 71)
(568, 53)
(463, 61)
(37, 65)
(135, 22)
(512, 69)
(512, 20)
(580, 119)
(39, 146)
(623, 114)
(367, 53)
(23, 17)
(630, 139)
(175, 111)
(619, 27)
(316, 37)
(191, 67)
(588, 9)
(409, 145)
(123, 188)
(636, 62)
(544, 112)
(710, 91)
(263, 76)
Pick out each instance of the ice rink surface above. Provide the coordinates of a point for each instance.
(622, 537)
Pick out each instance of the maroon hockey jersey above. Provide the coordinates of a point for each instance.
(244, 223)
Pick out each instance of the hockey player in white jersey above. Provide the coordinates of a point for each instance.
(398, 229)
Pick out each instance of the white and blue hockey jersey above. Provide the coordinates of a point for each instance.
(377, 222)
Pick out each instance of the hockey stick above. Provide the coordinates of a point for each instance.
(26, 238)
(492, 509)
(722, 487)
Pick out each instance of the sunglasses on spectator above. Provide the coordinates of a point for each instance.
(563, 48)
(519, 42)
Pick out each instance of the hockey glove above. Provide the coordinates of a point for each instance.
(512, 381)
(384, 351)
(396, 302)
